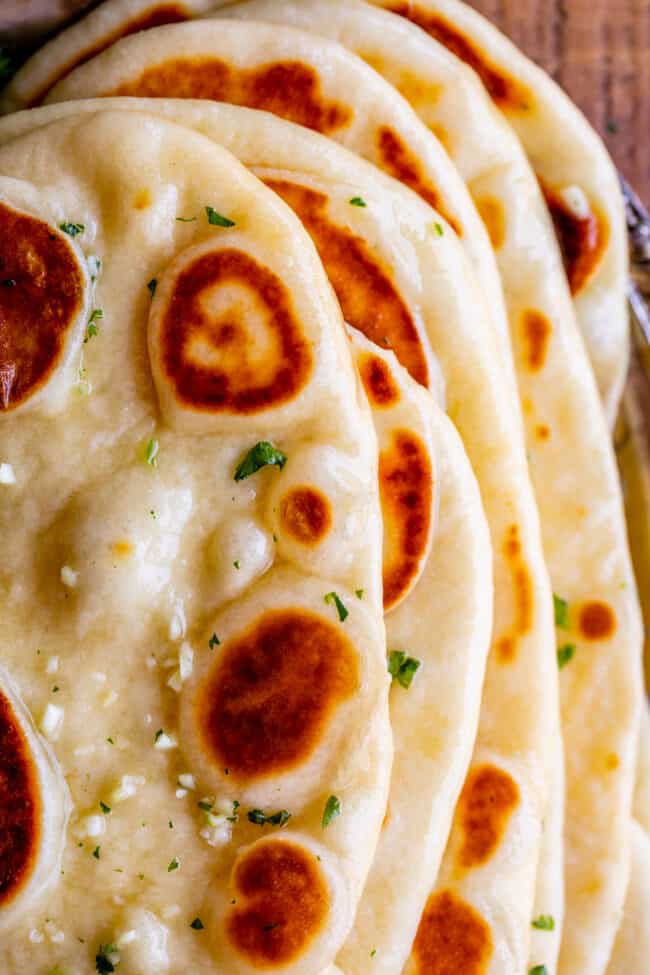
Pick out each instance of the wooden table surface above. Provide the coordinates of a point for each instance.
(599, 51)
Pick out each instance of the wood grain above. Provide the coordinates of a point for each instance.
(599, 51)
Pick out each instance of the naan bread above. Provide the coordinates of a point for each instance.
(512, 757)
(406, 282)
(574, 168)
(572, 466)
(164, 595)
(631, 951)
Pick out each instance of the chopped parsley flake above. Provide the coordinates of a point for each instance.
(402, 668)
(94, 265)
(152, 286)
(96, 852)
(56, 689)
(334, 598)
(110, 741)
(565, 654)
(259, 818)
(237, 564)
(234, 818)
(185, 219)
(538, 970)
(545, 922)
(158, 734)
(263, 454)
(72, 229)
(91, 328)
(170, 824)
(561, 608)
(217, 219)
(174, 864)
(151, 453)
(373, 952)
(205, 805)
(438, 229)
(359, 593)
(104, 807)
(331, 811)
(197, 924)
(105, 959)
(358, 201)
(214, 641)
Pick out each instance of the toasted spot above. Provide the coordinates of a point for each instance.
(415, 88)
(282, 903)
(406, 490)
(274, 690)
(493, 215)
(378, 381)
(543, 432)
(397, 159)
(41, 295)
(142, 200)
(596, 621)
(368, 296)
(443, 136)
(306, 515)
(535, 335)
(582, 240)
(230, 339)
(19, 807)
(612, 762)
(508, 93)
(522, 589)
(452, 938)
(487, 801)
(289, 89)
(122, 549)
(154, 16)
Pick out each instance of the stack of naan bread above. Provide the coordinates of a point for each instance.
(321, 649)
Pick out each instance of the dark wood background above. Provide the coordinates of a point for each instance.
(599, 51)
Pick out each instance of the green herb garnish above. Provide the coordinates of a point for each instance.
(158, 734)
(358, 201)
(151, 453)
(331, 811)
(214, 641)
(234, 818)
(185, 219)
(402, 668)
(335, 599)
(197, 924)
(72, 229)
(237, 564)
(561, 608)
(96, 852)
(94, 267)
(174, 864)
(538, 970)
(103, 962)
(217, 219)
(359, 593)
(565, 654)
(258, 818)
(104, 807)
(263, 454)
(152, 286)
(438, 229)
(545, 922)
(91, 328)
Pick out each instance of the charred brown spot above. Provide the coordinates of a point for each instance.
(282, 903)
(522, 588)
(536, 332)
(487, 801)
(41, 294)
(367, 294)
(306, 515)
(493, 216)
(596, 621)
(582, 240)
(378, 381)
(142, 200)
(19, 807)
(268, 701)
(406, 492)
(156, 16)
(452, 938)
(232, 378)
(289, 89)
(397, 159)
(543, 432)
(507, 92)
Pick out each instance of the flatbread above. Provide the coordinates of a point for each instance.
(572, 465)
(162, 593)
(574, 168)
(425, 277)
(632, 946)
